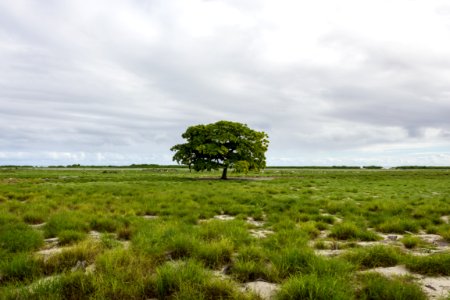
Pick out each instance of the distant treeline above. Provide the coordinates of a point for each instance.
(137, 166)
(325, 167)
(421, 167)
(156, 166)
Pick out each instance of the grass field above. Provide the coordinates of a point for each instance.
(171, 234)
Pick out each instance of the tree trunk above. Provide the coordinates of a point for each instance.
(224, 173)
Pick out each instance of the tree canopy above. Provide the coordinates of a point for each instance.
(223, 144)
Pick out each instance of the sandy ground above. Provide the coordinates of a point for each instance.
(265, 290)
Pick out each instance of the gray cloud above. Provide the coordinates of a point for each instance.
(115, 81)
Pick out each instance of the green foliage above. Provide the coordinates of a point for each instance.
(241, 166)
(224, 145)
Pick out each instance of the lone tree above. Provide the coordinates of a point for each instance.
(224, 145)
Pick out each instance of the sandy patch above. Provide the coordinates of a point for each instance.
(434, 239)
(260, 233)
(224, 217)
(391, 271)
(95, 234)
(255, 223)
(52, 240)
(125, 244)
(390, 237)
(37, 226)
(323, 234)
(150, 217)
(370, 244)
(90, 269)
(436, 287)
(47, 253)
(46, 280)
(263, 289)
(329, 252)
(336, 219)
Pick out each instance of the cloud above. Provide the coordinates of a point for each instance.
(120, 81)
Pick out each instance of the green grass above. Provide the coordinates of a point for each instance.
(350, 231)
(21, 267)
(375, 286)
(67, 237)
(189, 280)
(374, 257)
(436, 264)
(314, 287)
(18, 237)
(176, 254)
(410, 241)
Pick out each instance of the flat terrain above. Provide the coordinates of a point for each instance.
(170, 234)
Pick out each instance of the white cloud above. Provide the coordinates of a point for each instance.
(331, 82)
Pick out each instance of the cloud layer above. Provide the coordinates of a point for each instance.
(114, 82)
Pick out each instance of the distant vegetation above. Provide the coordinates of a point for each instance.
(157, 166)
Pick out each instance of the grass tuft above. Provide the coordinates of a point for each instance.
(314, 287)
(376, 286)
(373, 257)
(436, 264)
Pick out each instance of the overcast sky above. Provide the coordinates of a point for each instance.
(352, 82)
